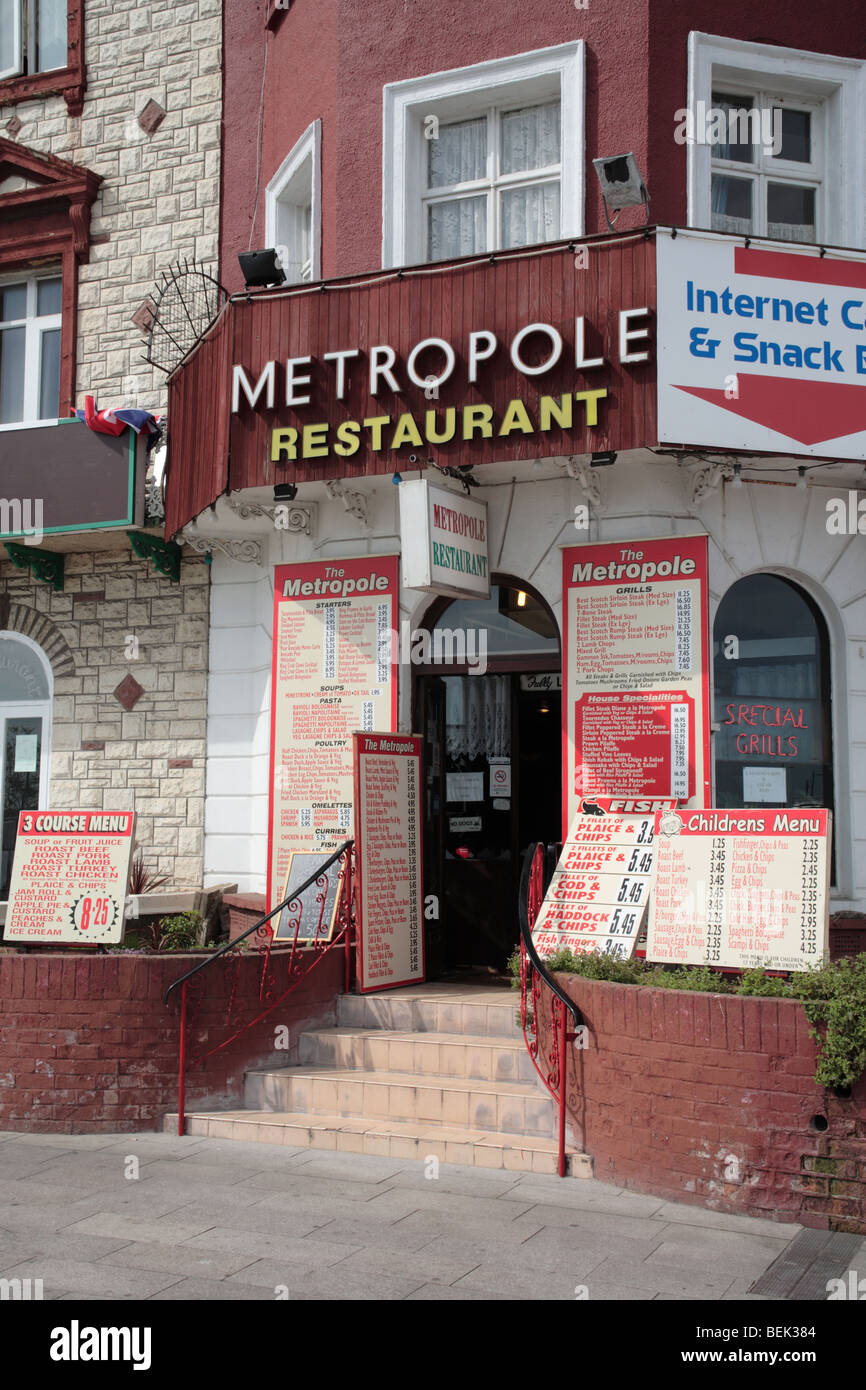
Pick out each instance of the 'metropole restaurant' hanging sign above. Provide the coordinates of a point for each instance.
(69, 877)
(761, 347)
(636, 709)
(444, 541)
(334, 672)
(388, 858)
(740, 888)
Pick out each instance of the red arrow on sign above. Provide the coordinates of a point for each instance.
(808, 411)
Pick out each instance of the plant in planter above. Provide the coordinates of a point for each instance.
(178, 933)
(143, 879)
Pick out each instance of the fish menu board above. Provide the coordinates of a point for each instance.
(741, 888)
(636, 715)
(69, 877)
(334, 672)
(597, 898)
(388, 860)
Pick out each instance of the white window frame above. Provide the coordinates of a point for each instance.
(31, 709)
(35, 325)
(526, 79)
(767, 168)
(279, 203)
(25, 37)
(837, 84)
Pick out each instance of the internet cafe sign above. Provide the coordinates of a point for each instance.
(761, 348)
(444, 541)
(524, 358)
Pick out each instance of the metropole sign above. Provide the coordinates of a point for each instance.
(761, 348)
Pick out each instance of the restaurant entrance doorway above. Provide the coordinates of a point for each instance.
(492, 768)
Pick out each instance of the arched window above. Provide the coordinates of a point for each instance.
(771, 655)
(25, 711)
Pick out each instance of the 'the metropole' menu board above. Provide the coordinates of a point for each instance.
(740, 888)
(598, 895)
(636, 713)
(69, 877)
(334, 672)
(388, 860)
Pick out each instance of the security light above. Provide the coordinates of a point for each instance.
(261, 268)
(801, 479)
(285, 492)
(622, 185)
(603, 459)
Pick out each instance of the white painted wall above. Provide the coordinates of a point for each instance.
(756, 527)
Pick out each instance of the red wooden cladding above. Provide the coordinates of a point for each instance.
(211, 449)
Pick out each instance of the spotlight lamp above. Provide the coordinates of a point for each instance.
(261, 269)
(622, 185)
(602, 459)
(285, 492)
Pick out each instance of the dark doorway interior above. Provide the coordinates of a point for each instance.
(492, 774)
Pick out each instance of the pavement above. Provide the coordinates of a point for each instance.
(155, 1217)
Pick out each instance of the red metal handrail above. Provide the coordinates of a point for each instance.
(533, 973)
(281, 970)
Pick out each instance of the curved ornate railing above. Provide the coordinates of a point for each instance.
(553, 1064)
(283, 966)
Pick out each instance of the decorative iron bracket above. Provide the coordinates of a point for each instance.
(248, 551)
(286, 516)
(586, 478)
(164, 554)
(47, 565)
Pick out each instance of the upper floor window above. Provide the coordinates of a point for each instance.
(767, 167)
(493, 181)
(293, 222)
(774, 148)
(33, 36)
(484, 158)
(30, 327)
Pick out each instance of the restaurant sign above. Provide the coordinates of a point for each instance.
(761, 348)
(444, 541)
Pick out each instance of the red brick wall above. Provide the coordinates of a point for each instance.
(710, 1099)
(87, 1045)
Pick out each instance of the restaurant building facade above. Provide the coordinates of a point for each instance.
(459, 309)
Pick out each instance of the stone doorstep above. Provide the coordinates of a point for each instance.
(457, 1055)
(508, 1106)
(388, 1138)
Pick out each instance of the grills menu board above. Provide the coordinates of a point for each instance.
(740, 888)
(69, 877)
(334, 672)
(388, 860)
(636, 709)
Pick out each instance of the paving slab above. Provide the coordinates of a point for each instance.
(104, 1281)
(257, 1245)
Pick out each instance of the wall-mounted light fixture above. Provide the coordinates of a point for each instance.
(622, 185)
(261, 268)
(603, 459)
(285, 492)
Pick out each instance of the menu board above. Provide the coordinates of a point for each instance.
(388, 860)
(741, 888)
(334, 671)
(636, 716)
(313, 915)
(69, 877)
(597, 898)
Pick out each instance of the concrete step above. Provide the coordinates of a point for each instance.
(488, 1011)
(511, 1107)
(392, 1139)
(455, 1055)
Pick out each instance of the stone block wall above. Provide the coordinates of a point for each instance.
(160, 197)
(116, 618)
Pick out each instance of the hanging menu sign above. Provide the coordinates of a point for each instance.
(597, 898)
(334, 671)
(741, 888)
(388, 860)
(69, 877)
(636, 718)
